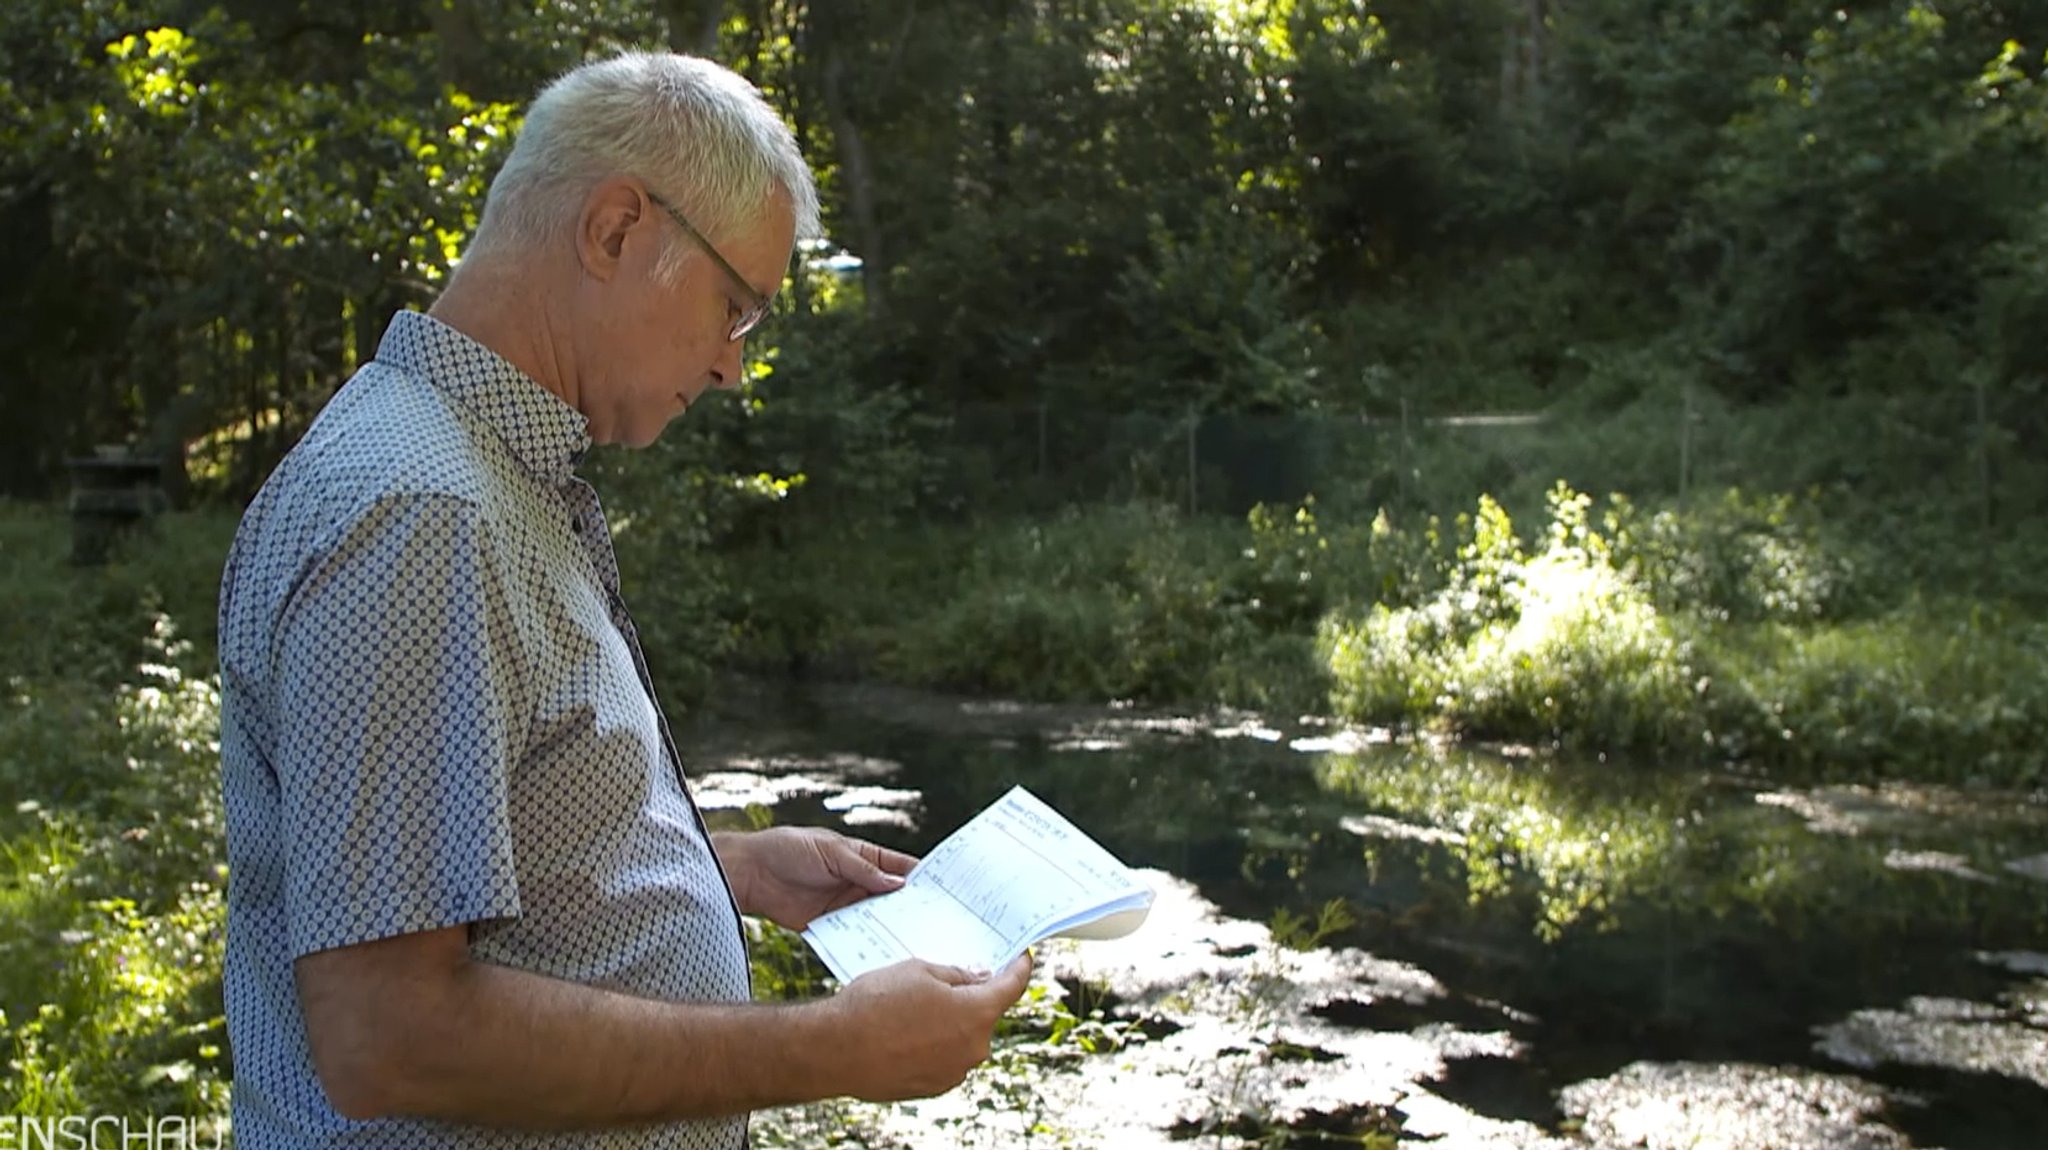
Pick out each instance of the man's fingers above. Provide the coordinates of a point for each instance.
(892, 862)
(1007, 985)
(882, 869)
(872, 868)
(874, 879)
(953, 975)
(1018, 973)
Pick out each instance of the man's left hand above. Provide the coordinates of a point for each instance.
(791, 875)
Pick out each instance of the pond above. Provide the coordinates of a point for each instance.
(1527, 952)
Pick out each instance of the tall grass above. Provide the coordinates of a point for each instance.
(110, 860)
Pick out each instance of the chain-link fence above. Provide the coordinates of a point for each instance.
(1974, 455)
(1038, 458)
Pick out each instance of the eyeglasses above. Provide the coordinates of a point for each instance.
(757, 304)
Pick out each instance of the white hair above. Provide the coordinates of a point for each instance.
(700, 135)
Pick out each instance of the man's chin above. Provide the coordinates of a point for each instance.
(646, 436)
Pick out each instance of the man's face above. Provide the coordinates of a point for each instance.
(661, 346)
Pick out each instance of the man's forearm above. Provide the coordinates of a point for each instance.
(515, 1049)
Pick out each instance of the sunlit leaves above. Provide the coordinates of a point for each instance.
(156, 68)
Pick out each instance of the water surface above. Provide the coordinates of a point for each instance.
(1607, 953)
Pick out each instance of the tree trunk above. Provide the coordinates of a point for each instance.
(1522, 54)
(860, 182)
(463, 60)
(692, 25)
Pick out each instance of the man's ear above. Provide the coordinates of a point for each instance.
(611, 212)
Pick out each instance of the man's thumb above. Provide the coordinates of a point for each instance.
(955, 976)
(874, 879)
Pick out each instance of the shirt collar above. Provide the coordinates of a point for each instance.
(544, 432)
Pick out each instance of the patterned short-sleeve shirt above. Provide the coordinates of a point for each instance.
(435, 713)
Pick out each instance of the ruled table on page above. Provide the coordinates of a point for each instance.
(982, 896)
(1019, 865)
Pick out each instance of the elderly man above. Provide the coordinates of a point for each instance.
(472, 902)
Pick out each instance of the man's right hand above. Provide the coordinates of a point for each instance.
(410, 1026)
(918, 1028)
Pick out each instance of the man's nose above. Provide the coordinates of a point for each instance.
(731, 366)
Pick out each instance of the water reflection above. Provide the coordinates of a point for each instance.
(1644, 935)
(1595, 842)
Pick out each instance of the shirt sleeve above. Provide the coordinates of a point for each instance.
(396, 660)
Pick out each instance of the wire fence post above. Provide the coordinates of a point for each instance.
(1685, 442)
(1984, 473)
(1041, 439)
(1406, 491)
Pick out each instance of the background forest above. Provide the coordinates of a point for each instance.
(1655, 378)
(1115, 206)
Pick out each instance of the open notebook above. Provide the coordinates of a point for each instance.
(1016, 873)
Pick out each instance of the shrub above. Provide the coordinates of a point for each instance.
(1939, 693)
(1558, 646)
(1739, 558)
(1722, 633)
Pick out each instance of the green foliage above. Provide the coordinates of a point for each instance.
(665, 514)
(1717, 633)
(1215, 318)
(1508, 335)
(1039, 645)
(96, 630)
(131, 1020)
(232, 305)
(1303, 933)
(1738, 627)
(1118, 602)
(1852, 189)
(1555, 646)
(1789, 249)
(784, 969)
(1286, 569)
(111, 911)
(1928, 690)
(1740, 558)
(1105, 605)
(1057, 1025)
(1333, 206)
